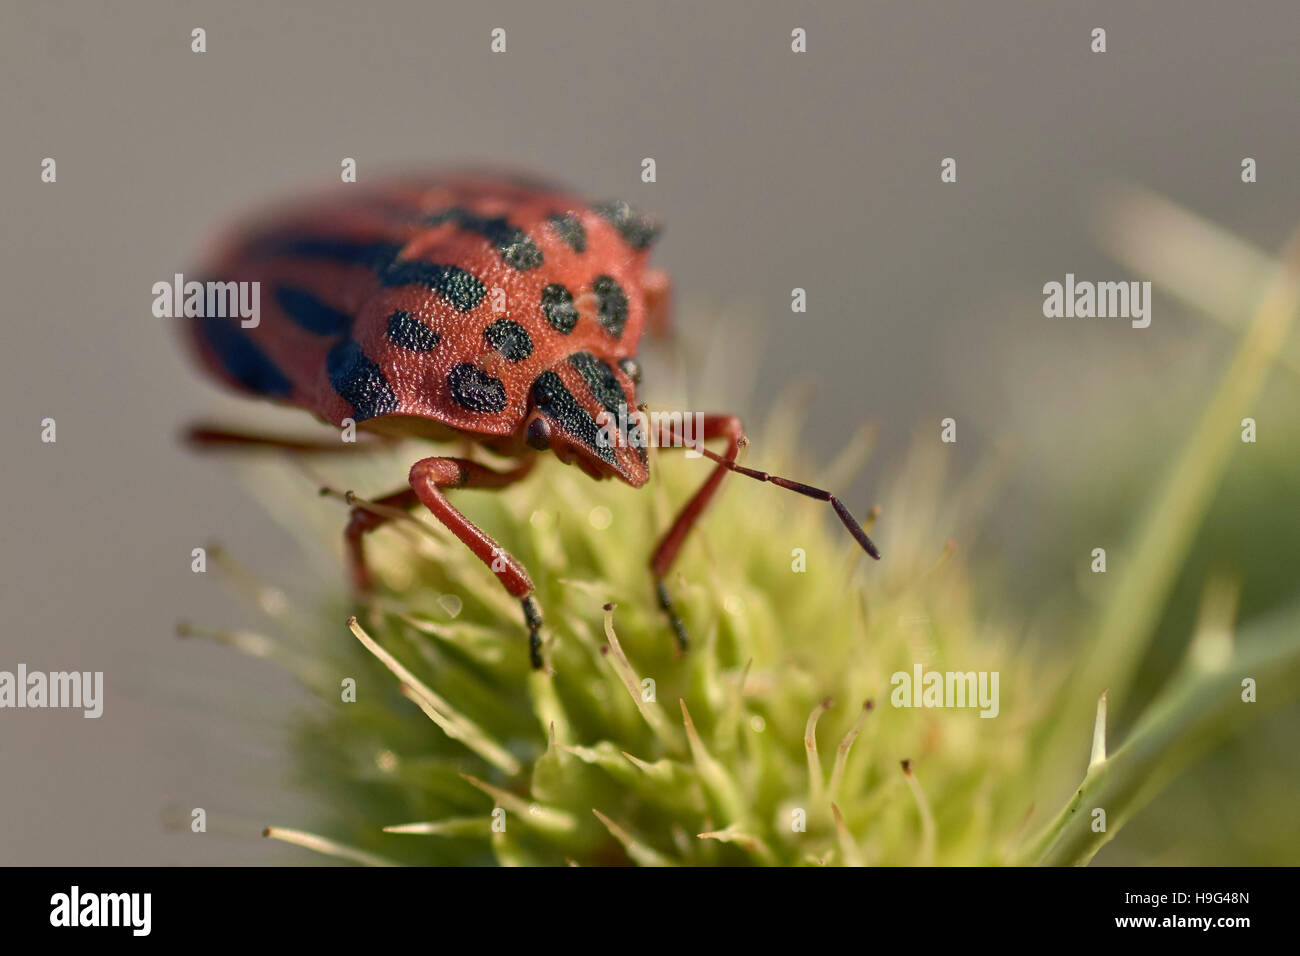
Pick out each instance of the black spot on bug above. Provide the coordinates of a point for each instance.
(570, 230)
(517, 250)
(456, 285)
(241, 358)
(600, 379)
(637, 229)
(476, 390)
(359, 381)
(459, 287)
(611, 304)
(373, 255)
(558, 404)
(310, 313)
(410, 333)
(605, 387)
(558, 307)
(510, 339)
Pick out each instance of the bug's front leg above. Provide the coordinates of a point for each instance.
(729, 427)
(714, 426)
(429, 477)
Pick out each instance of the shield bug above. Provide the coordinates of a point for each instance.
(457, 307)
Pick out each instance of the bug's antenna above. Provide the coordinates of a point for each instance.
(845, 516)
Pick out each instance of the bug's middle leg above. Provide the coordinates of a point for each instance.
(429, 477)
(362, 521)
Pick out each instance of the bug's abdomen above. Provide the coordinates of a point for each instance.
(312, 277)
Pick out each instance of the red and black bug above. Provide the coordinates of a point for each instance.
(454, 307)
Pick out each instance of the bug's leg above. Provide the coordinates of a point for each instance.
(208, 438)
(658, 291)
(429, 477)
(714, 426)
(729, 427)
(361, 521)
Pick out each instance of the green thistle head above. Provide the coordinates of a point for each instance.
(773, 739)
(782, 736)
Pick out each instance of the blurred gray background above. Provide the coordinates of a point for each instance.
(775, 170)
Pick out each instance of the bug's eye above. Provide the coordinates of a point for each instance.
(632, 369)
(539, 434)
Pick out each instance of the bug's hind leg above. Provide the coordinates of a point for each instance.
(205, 437)
(429, 477)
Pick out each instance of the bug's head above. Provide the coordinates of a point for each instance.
(584, 409)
